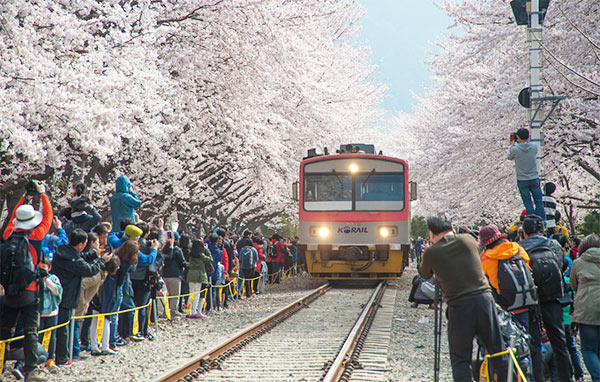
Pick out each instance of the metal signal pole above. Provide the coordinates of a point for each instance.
(534, 38)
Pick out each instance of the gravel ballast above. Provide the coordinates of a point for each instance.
(410, 355)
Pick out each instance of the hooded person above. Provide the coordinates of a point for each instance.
(123, 202)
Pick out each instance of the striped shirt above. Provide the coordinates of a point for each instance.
(550, 210)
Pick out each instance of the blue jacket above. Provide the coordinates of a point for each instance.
(217, 255)
(52, 242)
(115, 240)
(123, 202)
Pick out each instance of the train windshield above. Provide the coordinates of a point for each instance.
(361, 192)
(328, 192)
(379, 192)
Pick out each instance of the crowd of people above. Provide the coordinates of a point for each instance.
(72, 276)
(532, 284)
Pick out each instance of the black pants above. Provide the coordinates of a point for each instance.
(467, 318)
(248, 274)
(62, 336)
(551, 315)
(141, 296)
(29, 316)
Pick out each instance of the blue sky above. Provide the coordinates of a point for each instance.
(399, 33)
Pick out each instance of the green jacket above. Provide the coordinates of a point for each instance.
(196, 269)
(585, 280)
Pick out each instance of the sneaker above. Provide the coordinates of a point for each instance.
(96, 352)
(18, 374)
(112, 348)
(51, 366)
(80, 356)
(85, 348)
(202, 315)
(137, 337)
(150, 337)
(122, 342)
(36, 375)
(176, 313)
(66, 364)
(108, 351)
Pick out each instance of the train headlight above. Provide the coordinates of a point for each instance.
(387, 231)
(353, 168)
(320, 231)
(323, 232)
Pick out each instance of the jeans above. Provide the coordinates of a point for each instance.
(590, 339)
(531, 189)
(126, 319)
(276, 270)
(45, 323)
(551, 315)
(29, 317)
(467, 318)
(76, 349)
(573, 352)
(114, 319)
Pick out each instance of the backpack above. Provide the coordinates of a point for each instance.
(515, 284)
(247, 258)
(17, 268)
(546, 271)
(272, 251)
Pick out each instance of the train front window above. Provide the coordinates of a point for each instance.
(327, 192)
(379, 192)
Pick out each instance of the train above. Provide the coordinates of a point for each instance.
(354, 213)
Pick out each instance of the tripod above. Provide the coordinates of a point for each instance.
(437, 333)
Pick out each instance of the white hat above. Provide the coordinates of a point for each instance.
(27, 218)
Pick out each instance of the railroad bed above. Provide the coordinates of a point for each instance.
(310, 343)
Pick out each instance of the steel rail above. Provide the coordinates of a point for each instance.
(213, 357)
(347, 352)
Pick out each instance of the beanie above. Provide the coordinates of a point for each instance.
(132, 231)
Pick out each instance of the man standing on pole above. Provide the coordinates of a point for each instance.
(455, 262)
(524, 153)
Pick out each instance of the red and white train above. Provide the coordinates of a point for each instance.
(354, 214)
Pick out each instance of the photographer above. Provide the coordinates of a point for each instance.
(173, 270)
(25, 226)
(454, 260)
(70, 266)
(140, 277)
(123, 202)
(524, 154)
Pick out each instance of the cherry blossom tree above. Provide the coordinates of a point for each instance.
(207, 106)
(462, 125)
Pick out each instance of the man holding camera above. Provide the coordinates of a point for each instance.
(524, 154)
(32, 225)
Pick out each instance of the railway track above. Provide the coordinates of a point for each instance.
(316, 338)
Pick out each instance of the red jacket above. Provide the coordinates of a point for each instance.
(261, 257)
(279, 249)
(225, 260)
(37, 234)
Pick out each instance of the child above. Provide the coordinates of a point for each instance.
(49, 312)
(102, 304)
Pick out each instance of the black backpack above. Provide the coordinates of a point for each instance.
(17, 268)
(247, 258)
(547, 273)
(515, 284)
(272, 251)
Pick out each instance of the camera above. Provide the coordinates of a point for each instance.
(31, 188)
